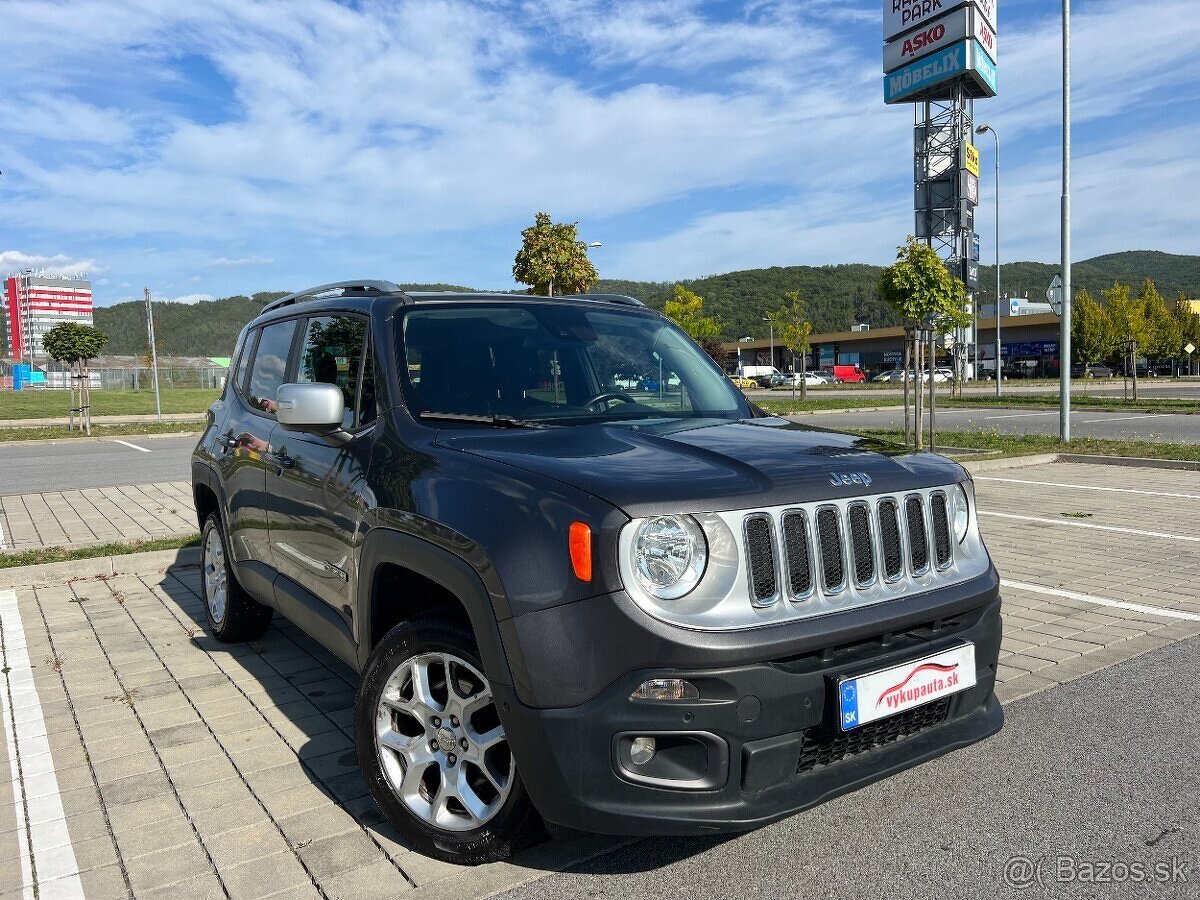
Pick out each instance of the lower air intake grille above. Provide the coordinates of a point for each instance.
(833, 567)
(918, 546)
(941, 530)
(795, 543)
(889, 533)
(821, 747)
(761, 560)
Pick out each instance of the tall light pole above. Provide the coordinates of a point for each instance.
(988, 129)
(1064, 325)
(772, 326)
(153, 353)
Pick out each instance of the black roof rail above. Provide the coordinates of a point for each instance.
(613, 298)
(360, 287)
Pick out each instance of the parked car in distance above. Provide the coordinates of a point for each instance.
(827, 377)
(890, 375)
(848, 374)
(811, 379)
(1093, 370)
(746, 384)
(775, 379)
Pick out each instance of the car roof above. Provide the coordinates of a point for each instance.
(365, 292)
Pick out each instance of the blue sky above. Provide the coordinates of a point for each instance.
(230, 146)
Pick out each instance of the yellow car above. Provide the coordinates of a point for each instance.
(743, 383)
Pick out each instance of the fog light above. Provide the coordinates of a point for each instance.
(642, 751)
(666, 689)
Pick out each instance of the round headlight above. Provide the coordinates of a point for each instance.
(959, 514)
(669, 556)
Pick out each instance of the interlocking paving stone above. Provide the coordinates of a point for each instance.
(236, 788)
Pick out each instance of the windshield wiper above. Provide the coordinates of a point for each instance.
(481, 419)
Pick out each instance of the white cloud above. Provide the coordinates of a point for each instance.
(15, 261)
(223, 262)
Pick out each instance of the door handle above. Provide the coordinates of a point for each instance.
(228, 441)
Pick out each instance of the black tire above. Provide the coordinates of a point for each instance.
(513, 826)
(242, 618)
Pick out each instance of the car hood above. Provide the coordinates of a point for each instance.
(706, 465)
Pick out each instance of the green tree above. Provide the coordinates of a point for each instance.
(1092, 335)
(686, 309)
(1164, 329)
(70, 342)
(1132, 331)
(552, 260)
(923, 293)
(793, 327)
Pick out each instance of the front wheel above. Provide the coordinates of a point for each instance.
(233, 615)
(433, 749)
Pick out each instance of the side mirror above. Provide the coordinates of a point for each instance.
(310, 407)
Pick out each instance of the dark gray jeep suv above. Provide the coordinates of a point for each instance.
(585, 582)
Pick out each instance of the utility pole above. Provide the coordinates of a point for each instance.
(1064, 325)
(153, 353)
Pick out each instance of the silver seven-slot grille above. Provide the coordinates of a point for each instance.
(860, 542)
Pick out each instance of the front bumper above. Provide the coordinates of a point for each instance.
(763, 737)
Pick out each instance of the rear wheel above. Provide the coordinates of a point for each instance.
(433, 749)
(233, 615)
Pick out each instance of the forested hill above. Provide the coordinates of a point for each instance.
(837, 296)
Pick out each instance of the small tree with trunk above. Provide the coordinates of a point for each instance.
(1130, 326)
(1093, 337)
(70, 342)
(793, 327)
(923, 293)
(552, 260)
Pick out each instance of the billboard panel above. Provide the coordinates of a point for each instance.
(931, 77)
(900, 16)
(929, 37)
(970, 160)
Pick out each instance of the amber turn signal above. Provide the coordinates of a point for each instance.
(580, 543)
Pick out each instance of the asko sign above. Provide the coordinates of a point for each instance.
(932, 36)
(900, 16)
(921, 79)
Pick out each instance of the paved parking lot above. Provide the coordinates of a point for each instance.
(142, 758)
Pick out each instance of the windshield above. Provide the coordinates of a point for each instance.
(557, 364)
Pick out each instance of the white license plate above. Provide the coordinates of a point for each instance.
(877, 695)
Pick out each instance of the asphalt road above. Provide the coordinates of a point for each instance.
(1162, 388)
(69, 465)
(1173, 428)
(975, 823)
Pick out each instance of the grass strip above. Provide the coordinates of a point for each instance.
(60, 432)
(49, 404)
(40, 555)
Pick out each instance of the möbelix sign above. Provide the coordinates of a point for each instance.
(900, 16)
(964, 22)
(921, 79)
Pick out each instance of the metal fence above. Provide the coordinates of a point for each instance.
(134, 378)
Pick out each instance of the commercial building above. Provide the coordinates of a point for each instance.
(1029, 342)
(35, 303)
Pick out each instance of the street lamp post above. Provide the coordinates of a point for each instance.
(988, 129)
(1064, 325)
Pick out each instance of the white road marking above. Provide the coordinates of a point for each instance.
(1122, 419)
(41, 824)
(3, 546)
(1021, 415)
(1088, 487)
(133, 446)
(1101, 601)
(1158, 534)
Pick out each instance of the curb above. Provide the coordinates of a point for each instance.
(1189, 465)
(149, 563)
(94, 438)
(1016, 462)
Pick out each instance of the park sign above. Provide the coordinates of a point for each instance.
(932, 77)
(933, 35)
(900, 16)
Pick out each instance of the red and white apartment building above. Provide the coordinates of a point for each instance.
(35, 303)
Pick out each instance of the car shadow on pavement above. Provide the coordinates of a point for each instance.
(305, 696)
